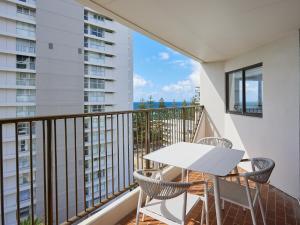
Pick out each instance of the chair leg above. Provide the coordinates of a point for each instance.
(138, 208)
(202, 214)
(250, 202)
(184, 208)
(146, 202)
(263, 215)
(206, 204)
(223, 204)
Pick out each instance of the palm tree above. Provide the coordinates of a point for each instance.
(151, 102)
(161, 103)
(27, 221)
(142, 104)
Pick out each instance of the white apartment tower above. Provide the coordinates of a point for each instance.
(57, 57)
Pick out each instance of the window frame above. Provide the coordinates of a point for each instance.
(243, 70)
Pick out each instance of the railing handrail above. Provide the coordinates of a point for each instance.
(81, 115)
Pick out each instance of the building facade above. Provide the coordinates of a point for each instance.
(57, 57)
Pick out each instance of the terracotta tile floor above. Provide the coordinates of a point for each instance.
(280, 208)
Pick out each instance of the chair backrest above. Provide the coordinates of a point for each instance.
(215, 141)
(158, 189)
(262, 170)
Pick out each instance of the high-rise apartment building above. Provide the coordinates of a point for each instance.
(57, 57)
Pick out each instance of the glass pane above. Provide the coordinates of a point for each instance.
(254, 89)
(235, 91)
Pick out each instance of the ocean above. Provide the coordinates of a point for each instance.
(156, 104)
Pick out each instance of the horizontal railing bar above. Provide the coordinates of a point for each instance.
(72, 116)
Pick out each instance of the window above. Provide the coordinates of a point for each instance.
(25, 11)
(24, 95)
(25, 62)
(94, 83)
(86, 13)
(244, 88)
(93, 108)
(25, 79)
(97, 44)
(98, 17)
(24, 163)
(25, 46)
(24, 195)
(94, 96)
(23, 146)
(94, 57)
(25, 111)
(24, 179)
(86, 29)
(97, 31)
(24, 212)
(25, 29)
(94, 70)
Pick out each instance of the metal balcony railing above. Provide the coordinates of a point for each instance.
(58, 177)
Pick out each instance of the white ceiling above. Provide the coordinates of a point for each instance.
(207, 30)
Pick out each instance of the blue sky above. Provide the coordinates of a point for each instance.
(161, 72)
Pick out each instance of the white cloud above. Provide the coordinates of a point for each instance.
(185, 88)
(164, 55)
(139, 81)
(195, 74)
(180, 62)
(172, 51)
(180, 86)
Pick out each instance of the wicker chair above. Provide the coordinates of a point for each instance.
(244, 195)
(215, 141)
(218, 142)
(169, 201)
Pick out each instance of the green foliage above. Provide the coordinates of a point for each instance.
(161, 103)
(27, 221)
(151, 102)
(142, 104)
(184, 103)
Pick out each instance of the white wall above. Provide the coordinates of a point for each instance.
(276, 135)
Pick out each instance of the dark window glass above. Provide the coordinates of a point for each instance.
(244, 91)
(253, 90)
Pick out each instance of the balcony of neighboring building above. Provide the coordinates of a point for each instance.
(98, 59)
(96, 19)
(28, 3)
(94, 71)
(98, 33)
(18, 13)
(99, 46)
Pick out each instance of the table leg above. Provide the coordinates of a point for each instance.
(217, 200)
(182, 174)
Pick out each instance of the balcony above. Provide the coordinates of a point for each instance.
(280, 209)
(64, 139)
(104, 23)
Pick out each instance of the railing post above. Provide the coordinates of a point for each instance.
(184, 118)
(49, 173)
(147, 137)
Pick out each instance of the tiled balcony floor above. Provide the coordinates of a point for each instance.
(281, 209)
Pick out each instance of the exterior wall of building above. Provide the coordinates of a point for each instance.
(276, 134)
(17, 39)
(55, 60)
(60, 69)
(59, 81)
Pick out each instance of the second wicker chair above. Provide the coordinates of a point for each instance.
(170, 203)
